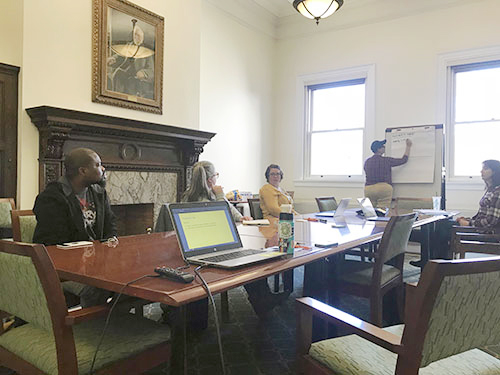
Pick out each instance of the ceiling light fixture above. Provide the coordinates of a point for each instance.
(317, 9)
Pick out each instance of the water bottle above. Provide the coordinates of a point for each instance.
(286, 233)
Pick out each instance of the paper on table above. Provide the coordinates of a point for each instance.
(256, 222)
(431, 212)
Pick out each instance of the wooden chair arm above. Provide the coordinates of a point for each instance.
(411, 290)
(378, 336)
(468, 229)
(79, 315)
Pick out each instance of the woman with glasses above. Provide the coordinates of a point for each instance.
(271, 195)
(204, 188)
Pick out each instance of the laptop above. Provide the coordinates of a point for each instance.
(207, 235)
(369, 210)
(339, 212)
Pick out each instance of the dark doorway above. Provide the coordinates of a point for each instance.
(8, 130)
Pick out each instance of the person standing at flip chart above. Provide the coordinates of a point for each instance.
(378, 186)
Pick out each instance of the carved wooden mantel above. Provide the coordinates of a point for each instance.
(122, 144)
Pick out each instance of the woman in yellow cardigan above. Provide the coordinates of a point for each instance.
(271, 195)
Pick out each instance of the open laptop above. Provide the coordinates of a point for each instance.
(207, 235)
(339, 212)
(369, 210)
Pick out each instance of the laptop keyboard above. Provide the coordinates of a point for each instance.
(229, 256)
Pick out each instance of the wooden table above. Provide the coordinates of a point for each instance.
(111, 268)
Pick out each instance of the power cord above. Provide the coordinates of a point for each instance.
(109, 316)
(209, 293)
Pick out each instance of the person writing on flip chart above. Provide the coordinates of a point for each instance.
(378, 186)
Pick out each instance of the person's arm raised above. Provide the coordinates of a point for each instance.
(408, 147)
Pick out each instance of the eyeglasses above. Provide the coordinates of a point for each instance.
(275, 174)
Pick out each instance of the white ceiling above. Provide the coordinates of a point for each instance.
(279, 19)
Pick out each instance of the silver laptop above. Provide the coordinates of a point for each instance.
(339, 212)
(207, 235)
(369, 210)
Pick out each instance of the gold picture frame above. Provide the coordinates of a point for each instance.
(127, 56)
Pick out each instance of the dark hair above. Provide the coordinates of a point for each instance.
(494, 165)
(268, 170)
(77, 158)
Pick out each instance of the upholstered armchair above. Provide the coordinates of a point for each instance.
(473, 240)
(255, 210)
(23, 225)
(6, 205)
(453, 312)
(55, 341)
(326, 203)
(374, 279)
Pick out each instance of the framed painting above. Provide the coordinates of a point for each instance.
(127, 56)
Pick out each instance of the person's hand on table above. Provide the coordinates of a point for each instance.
(463, 222)
(246, 218)
(217, 189)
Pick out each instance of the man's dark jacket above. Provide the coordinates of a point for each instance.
(59, 216)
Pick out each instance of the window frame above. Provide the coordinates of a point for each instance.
(449, 65)
(333, 78)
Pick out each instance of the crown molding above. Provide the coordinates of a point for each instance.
(248, 13)
(262, 15)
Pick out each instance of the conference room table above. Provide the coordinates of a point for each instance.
(111, 268)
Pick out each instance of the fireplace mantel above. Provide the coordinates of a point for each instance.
(123, 144)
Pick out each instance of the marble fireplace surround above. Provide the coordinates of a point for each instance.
(145, 162)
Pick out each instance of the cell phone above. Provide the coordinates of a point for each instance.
(333, 244)
(338, 225)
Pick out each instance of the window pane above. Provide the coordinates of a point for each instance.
(474, 143)
(337, 153)
(340, 107)
(477, 95)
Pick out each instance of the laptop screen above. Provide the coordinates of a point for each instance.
(204, 227)
(367, 207)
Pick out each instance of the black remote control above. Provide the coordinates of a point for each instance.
(174, 274)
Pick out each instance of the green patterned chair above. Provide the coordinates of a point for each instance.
(6, 205)
(326, 203)
(452, 312)
(374, 279)
(55, 341)
(23, 225)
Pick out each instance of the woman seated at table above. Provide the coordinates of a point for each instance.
(271, 195)
(488, 215)
(204, 188)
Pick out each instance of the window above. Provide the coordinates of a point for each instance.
(474, 116)
(336, 122)
(336, 115)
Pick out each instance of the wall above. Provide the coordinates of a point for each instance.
(11, 37)
(56, 66)
(405, 52)
(236, 99)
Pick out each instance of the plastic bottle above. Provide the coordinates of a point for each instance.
(286, 233)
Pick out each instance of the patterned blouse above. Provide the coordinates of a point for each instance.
(489, 210)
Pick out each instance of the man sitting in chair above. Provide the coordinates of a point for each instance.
(76, 208)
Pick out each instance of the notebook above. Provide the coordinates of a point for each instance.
(369, 210)
(339, 212)
(207, 235)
